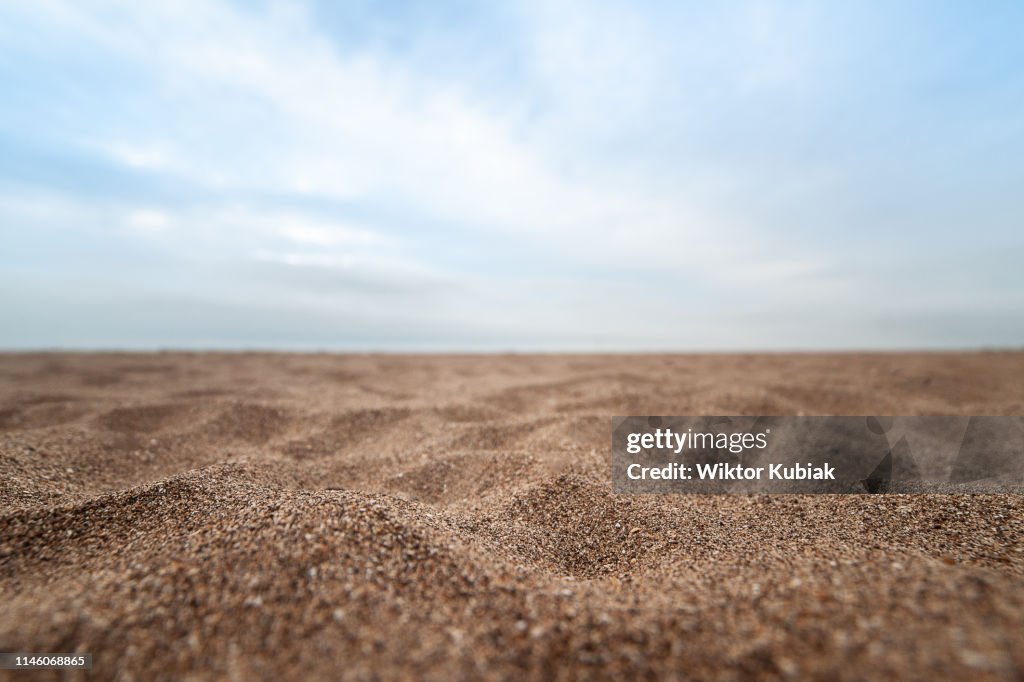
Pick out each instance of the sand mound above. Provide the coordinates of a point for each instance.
(274, 516)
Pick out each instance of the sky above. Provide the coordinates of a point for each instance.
(522, 176)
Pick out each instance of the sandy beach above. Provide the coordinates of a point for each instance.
(313, 516)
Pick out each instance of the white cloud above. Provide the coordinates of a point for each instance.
(362, 126)
(324, 235)
(148, 220)
(146, 156)
(619, 156)
(318, 260)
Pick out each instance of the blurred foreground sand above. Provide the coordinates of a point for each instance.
(170, 514)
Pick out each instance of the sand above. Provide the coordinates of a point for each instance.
(290, 517)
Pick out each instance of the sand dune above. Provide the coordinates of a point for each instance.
(259, 516)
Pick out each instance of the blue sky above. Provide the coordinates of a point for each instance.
(511, 176)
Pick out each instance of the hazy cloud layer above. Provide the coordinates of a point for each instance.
(522, 176)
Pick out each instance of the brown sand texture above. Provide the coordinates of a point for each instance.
(291, 517)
